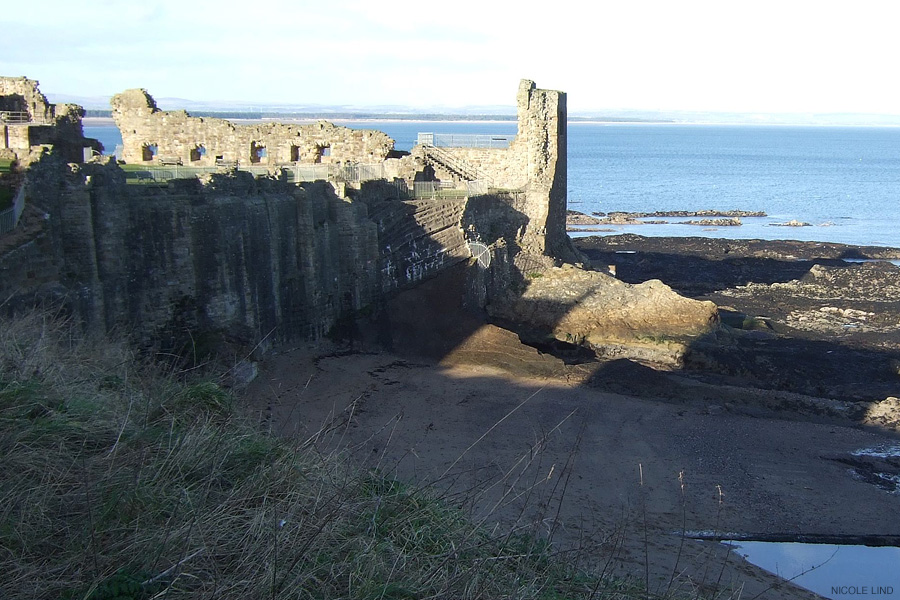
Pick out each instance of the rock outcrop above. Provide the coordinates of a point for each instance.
(647, 322)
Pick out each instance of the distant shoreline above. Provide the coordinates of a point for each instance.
(108, 121)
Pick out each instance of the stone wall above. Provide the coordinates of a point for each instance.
(19, 94)
(150, 135)
(265, 259)
(56, 126)
(249, 258)
(534, 163)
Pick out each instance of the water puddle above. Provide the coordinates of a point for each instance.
(894, 262)
(830, 570)
(835, 566)
(877, 465)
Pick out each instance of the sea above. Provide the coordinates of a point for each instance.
(842, 182)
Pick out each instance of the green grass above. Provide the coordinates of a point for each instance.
(120, 482)
(5, 165)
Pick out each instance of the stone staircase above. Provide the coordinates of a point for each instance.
(453, 164)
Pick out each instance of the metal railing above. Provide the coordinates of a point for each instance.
(465, 140)
(349, 173)
(14, 117)
(437, 189)
(162, 174)
(9, 218)
(457, 166)
(296, 173)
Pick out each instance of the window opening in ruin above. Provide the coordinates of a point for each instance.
(322, 150)
(149, 152)
(295, 153)
(257, 152)
(198, 152)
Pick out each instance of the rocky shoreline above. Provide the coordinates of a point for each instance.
(822, 320)
(599, 222)
(576, 221)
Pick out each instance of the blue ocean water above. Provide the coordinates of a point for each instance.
(845, 182)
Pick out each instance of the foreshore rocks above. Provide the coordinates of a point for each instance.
(811, 318)
(711, 218)
(647, 322)
(791, 223)
(732, 222)
(885, 413)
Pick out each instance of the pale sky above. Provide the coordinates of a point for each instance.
(753, 56)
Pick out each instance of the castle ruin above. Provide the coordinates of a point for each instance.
(534, 163)
(251, 256)
(151, 136)
(29, 124)
(251, 253)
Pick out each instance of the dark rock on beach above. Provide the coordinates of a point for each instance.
(710, 218)
(811, 318)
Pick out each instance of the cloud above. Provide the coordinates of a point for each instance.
(697, 54)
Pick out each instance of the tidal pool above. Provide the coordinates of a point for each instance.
(832, 571)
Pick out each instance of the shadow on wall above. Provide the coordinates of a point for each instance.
(248, 260)
(456, 315)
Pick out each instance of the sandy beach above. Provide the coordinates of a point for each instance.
(564, 454)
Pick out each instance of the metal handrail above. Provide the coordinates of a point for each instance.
(294, 172)
(455, 164)
(14, 117)
(465, 140)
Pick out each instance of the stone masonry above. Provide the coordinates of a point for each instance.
(29, 123)
(261, 258)
(249, 258)
(151, 135)
(534, 163)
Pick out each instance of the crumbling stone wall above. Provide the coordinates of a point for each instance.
(20, 94)
(534, 163)
(150, 135)
(262, 257)
(56, 126)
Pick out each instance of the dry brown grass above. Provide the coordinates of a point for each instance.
(118, 482)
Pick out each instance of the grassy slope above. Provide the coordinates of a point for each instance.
(119, 482)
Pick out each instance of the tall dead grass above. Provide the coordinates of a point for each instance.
(119, 482)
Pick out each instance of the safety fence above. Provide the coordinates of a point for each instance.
(339, 173)
(422, 190)
(465, 140)
(351, 173)
(9, 218)
(14, 117)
